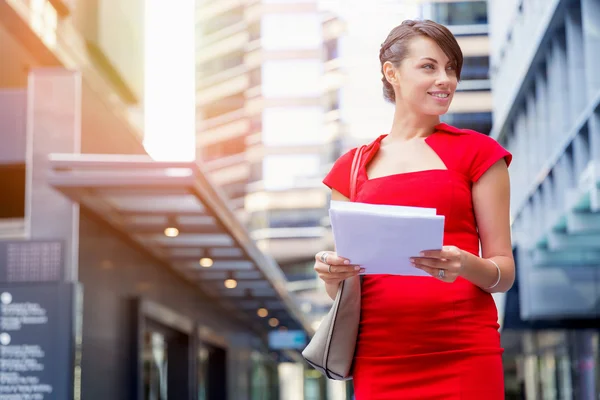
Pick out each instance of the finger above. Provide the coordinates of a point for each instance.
(447, 252)
(337, 277)
(336, 269)
(430, 262)
(329, 257)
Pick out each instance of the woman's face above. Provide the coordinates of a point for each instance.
(426, 80)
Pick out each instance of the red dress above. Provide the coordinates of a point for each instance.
(421, 338)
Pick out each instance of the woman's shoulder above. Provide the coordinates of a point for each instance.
(465, 134)
(473, 152)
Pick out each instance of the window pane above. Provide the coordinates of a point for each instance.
(475, 68)
(292, 126)
(292, 78)
(461, 13)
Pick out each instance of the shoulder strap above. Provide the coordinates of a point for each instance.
(356, 162)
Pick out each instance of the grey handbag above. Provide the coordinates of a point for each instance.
(331, 349)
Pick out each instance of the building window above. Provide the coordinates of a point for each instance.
(460, 13)
(475, 68)
(480, 122)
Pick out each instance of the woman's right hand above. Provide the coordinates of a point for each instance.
(333, 269)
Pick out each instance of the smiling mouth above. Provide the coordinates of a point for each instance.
(440, 95)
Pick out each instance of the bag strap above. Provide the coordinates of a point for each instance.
(356, 162)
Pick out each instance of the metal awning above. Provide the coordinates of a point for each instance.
(141, 197)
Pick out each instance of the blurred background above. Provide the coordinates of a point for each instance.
(161, 201)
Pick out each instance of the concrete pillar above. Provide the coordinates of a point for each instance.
(53, 126)
(590, 13)
(575, 61)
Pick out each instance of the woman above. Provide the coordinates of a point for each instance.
(422, 337)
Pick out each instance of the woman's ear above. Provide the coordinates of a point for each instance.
(390, 72)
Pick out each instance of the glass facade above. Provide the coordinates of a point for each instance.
(554, 365)
(475, 67)
(460, 13)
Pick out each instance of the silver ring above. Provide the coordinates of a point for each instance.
(441, 274)
(329, 269)
(323, 257)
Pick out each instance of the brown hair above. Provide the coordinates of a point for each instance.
(395, 47)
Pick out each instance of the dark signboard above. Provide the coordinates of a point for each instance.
(39, 341)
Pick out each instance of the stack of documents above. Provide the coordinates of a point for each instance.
(382, 238)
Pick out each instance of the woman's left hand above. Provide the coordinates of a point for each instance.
(445, 265)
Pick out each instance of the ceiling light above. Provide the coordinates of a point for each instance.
(273, 322)
(230, 283)
(262, 312)
(206, 262)
(171, 232)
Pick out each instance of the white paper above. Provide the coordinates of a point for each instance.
(382, 238)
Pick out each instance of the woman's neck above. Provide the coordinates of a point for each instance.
(408, 125)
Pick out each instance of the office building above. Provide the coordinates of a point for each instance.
(121, 277)
(546, 94)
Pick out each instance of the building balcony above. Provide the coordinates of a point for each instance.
(206, 81)
(237, 128)
(230, 87)
(207, 124)
(209, 10)
(221, 34)
(236, 42)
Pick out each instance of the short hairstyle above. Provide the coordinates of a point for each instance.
(395, 47)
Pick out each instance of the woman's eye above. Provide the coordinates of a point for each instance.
(428, 66)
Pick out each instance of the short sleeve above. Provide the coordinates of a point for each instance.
(486, 152)
(338, 177)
